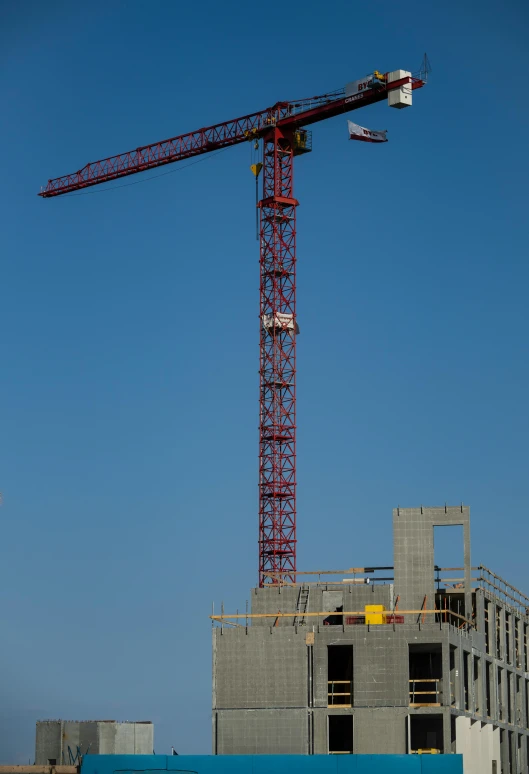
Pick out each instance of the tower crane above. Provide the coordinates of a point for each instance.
(281, 131)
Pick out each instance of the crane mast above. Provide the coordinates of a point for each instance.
(280, 130)
(278, 325)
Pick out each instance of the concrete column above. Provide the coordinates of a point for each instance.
(445, 665)
(505, 750)
(447, 731)
(460, 678)
(494, 700)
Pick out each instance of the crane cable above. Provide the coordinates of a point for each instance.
(256, 168)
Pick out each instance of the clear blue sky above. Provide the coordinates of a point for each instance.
(130, 334)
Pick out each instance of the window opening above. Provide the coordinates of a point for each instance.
(448, 546)
(426, 673)
(466, 686)
(340, 734)
(487, 626)
(500, 694)
(517, 650)
(454, 678)
(488, 669)
(333, 602)
(498, 632)
(519, 708)
(449, 557)
(509, 696)
(340, 676)
(477, 685)
(508, 654)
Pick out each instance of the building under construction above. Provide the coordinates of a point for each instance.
(405, 659)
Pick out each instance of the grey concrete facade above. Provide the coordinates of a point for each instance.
(453, 680)
(60, 742)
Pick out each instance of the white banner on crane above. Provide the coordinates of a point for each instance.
(365, 135)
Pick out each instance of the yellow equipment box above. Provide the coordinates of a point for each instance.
(375, 614)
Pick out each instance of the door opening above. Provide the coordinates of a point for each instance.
(426, 733)
(340, 734)
(340, 675)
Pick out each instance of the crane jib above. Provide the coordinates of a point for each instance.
(256, 125)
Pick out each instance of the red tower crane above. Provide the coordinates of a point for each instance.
(281, 130)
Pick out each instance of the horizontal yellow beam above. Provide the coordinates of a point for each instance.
(324, 614)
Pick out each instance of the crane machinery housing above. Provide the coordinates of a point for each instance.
(281, 132)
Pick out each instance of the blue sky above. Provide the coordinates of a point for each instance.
(130, 334)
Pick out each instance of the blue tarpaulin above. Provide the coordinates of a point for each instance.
(273, 764)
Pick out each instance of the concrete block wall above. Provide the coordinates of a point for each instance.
(53, 738)
(126, 738)
(381, 670)
(380, 730)
(261, 732)
(273, 600)
(264, 668)
(48, 742)
(413, 548)
(380, 664)
(84, 735)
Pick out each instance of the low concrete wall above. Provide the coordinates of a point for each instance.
(39, 770)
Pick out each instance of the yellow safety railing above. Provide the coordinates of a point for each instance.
(426, 698)
(340, 698)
